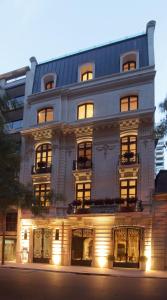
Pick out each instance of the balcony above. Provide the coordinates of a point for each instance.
(117, 205)
(82, 164)
(129, 158)
(41, 168)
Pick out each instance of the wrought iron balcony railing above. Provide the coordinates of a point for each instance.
(41, 168)
(82, 163)
(105, 206)
(129, 158)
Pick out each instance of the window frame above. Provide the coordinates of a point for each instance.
(85, 104)
(48, 148)
(128, 63)
(129, 98)
(87, 75)
(46, 190)
(84, 190)
(128, 188)
(45, 110)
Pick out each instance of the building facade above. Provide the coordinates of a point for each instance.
(88, 152)
(160, 156)
(12, 90)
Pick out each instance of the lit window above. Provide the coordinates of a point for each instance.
(129, 66)
(45, 115)
(48, 81)
(86, 72)
(41, 193)
(128, 188)
(87, 76)
(43, 158)
(84, 156)
(83, 192)
(85, 111)
(129, 103)
(49, 85)
(128, 149)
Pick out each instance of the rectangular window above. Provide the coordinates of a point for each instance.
(128, 103)
(83, 192)
(42, 194)
(128, 188)
(85, 111)
(11, 221)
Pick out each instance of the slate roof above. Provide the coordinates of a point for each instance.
(106, 59)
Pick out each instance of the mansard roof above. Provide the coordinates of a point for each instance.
(106, 59)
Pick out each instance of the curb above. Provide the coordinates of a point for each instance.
(83, 273)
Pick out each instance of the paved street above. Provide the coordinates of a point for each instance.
(41, 285)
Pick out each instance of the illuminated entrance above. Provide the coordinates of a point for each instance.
(42, 248)
(82, 247)
(127, 247)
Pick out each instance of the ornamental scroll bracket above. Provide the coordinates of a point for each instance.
(105, 148)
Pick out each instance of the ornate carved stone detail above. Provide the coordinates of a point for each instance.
(129, 124)
(82, 175)
(128, 172)
(83, 132)
(41, 178)
(42, 134)
(105, 148)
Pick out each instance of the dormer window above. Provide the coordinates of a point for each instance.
(87, 76)
(86, 72)
(129, 61)
(49, 85)
(129, 66)
(45, 115)
(48, 82)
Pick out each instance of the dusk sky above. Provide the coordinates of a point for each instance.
(48, 29)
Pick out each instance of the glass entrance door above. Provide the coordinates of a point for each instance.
(127, 247)
(82, 247)
(42, 249)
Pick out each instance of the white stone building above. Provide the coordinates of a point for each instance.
(88, 138)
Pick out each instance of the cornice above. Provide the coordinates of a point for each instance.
(109, 82)
(142, 115)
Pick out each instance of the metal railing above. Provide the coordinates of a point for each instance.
(41, 168)
(82, 164)
(129, 158)
(105, 206)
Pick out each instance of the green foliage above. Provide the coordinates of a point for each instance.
(12, 192)
(161, 129)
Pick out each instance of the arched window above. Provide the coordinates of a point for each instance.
(86, 72)
(43, 158)
(87, 76)
(49, 85)
(129, 61)
(128, 103)
(129, 66)
(45, 115)
(48, 81)
(85, 111)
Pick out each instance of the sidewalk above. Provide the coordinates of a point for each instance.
(88, 270)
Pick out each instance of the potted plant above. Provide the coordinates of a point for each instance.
(111, 259)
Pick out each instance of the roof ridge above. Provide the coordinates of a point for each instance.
(93, 48)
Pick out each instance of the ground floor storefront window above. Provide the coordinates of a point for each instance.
(127, 247)
(82, 247)
(10, 249)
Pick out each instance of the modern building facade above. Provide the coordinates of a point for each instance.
(160, 156)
